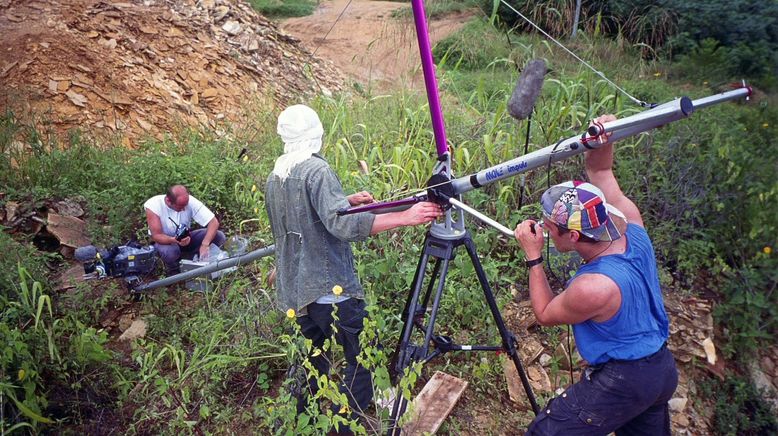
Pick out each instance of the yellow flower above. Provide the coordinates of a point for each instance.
(337, 290)
(705, 82)
(256, 210)
(21, 375)
(290, 313)
(657, 74)
(253, 188)
(765, 125)
(344, 409)
(246, 158)
(767, 250)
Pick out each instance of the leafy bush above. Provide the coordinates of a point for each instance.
(739, 408)
(675, 26)
(715, 62)
(477, 46)
(44, 352)
(750, 308)
(15, 254)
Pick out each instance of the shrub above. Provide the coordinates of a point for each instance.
(739, 408)
(477, 46)
(675, 26)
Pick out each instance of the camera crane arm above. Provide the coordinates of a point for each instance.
(619, 129)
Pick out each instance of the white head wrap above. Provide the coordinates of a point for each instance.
(301, 131)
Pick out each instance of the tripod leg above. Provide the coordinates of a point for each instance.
(406, 352)
(435, 272)
(400, 357)
(435, 305)
(508, 340)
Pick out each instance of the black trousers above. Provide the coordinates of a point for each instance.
(625, 397)
(317, 326)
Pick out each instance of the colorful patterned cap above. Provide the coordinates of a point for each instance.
(581, 206)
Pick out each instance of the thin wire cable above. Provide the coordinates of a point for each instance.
(331, 27)
(409, 192)
(635, 100)
(551, 270)
(315, 50)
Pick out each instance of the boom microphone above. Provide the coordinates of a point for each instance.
(86, 253)
(527, 89)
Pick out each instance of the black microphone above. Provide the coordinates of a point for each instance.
(527, 89)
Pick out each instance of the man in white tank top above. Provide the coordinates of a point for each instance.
(173, 211)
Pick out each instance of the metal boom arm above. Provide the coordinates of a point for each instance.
(622, 128)
(619, 129)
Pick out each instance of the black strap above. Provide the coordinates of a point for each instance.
(533, 262)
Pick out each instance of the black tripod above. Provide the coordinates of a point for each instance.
(443, 250)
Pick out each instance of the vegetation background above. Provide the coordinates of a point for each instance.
(217, 362)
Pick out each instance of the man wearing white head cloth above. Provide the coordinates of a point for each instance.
(314, 261)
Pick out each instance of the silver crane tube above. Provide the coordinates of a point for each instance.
(665, 113)
(504, 230)
(622, 128)
(207, 269)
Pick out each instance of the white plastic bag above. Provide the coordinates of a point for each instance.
(216, 254)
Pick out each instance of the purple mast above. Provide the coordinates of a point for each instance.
(428, 67)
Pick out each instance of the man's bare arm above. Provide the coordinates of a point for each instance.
(210, 233)
(420, 213)
(590, 296)
(155, 226)
(599, 169)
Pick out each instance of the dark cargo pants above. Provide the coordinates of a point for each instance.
(626, 397)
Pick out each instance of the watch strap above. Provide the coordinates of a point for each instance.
(533, 262)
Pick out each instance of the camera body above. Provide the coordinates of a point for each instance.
(119, 261)
(182, 232)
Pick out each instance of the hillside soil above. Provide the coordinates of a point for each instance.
(136, 69)
(366, 42)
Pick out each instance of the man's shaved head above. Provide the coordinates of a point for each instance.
(177, 197)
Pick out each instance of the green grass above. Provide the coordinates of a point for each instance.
(437, 8)
(284, 8)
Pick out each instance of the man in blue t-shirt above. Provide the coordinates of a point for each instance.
(614, 303)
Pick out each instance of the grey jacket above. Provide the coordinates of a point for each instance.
(313, 250)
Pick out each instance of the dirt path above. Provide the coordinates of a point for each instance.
(367, 43)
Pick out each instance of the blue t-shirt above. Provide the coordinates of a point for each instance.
(640, 326)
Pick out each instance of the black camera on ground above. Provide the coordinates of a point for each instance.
(118, 261)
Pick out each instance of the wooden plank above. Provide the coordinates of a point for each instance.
(512, 379)
(434, 403)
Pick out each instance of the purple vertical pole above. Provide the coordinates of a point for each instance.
(430, 82)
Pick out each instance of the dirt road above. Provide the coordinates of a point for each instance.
(367, 42)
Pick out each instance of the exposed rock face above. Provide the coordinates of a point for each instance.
(134, 69)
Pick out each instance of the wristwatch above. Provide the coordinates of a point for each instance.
(533, 262)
